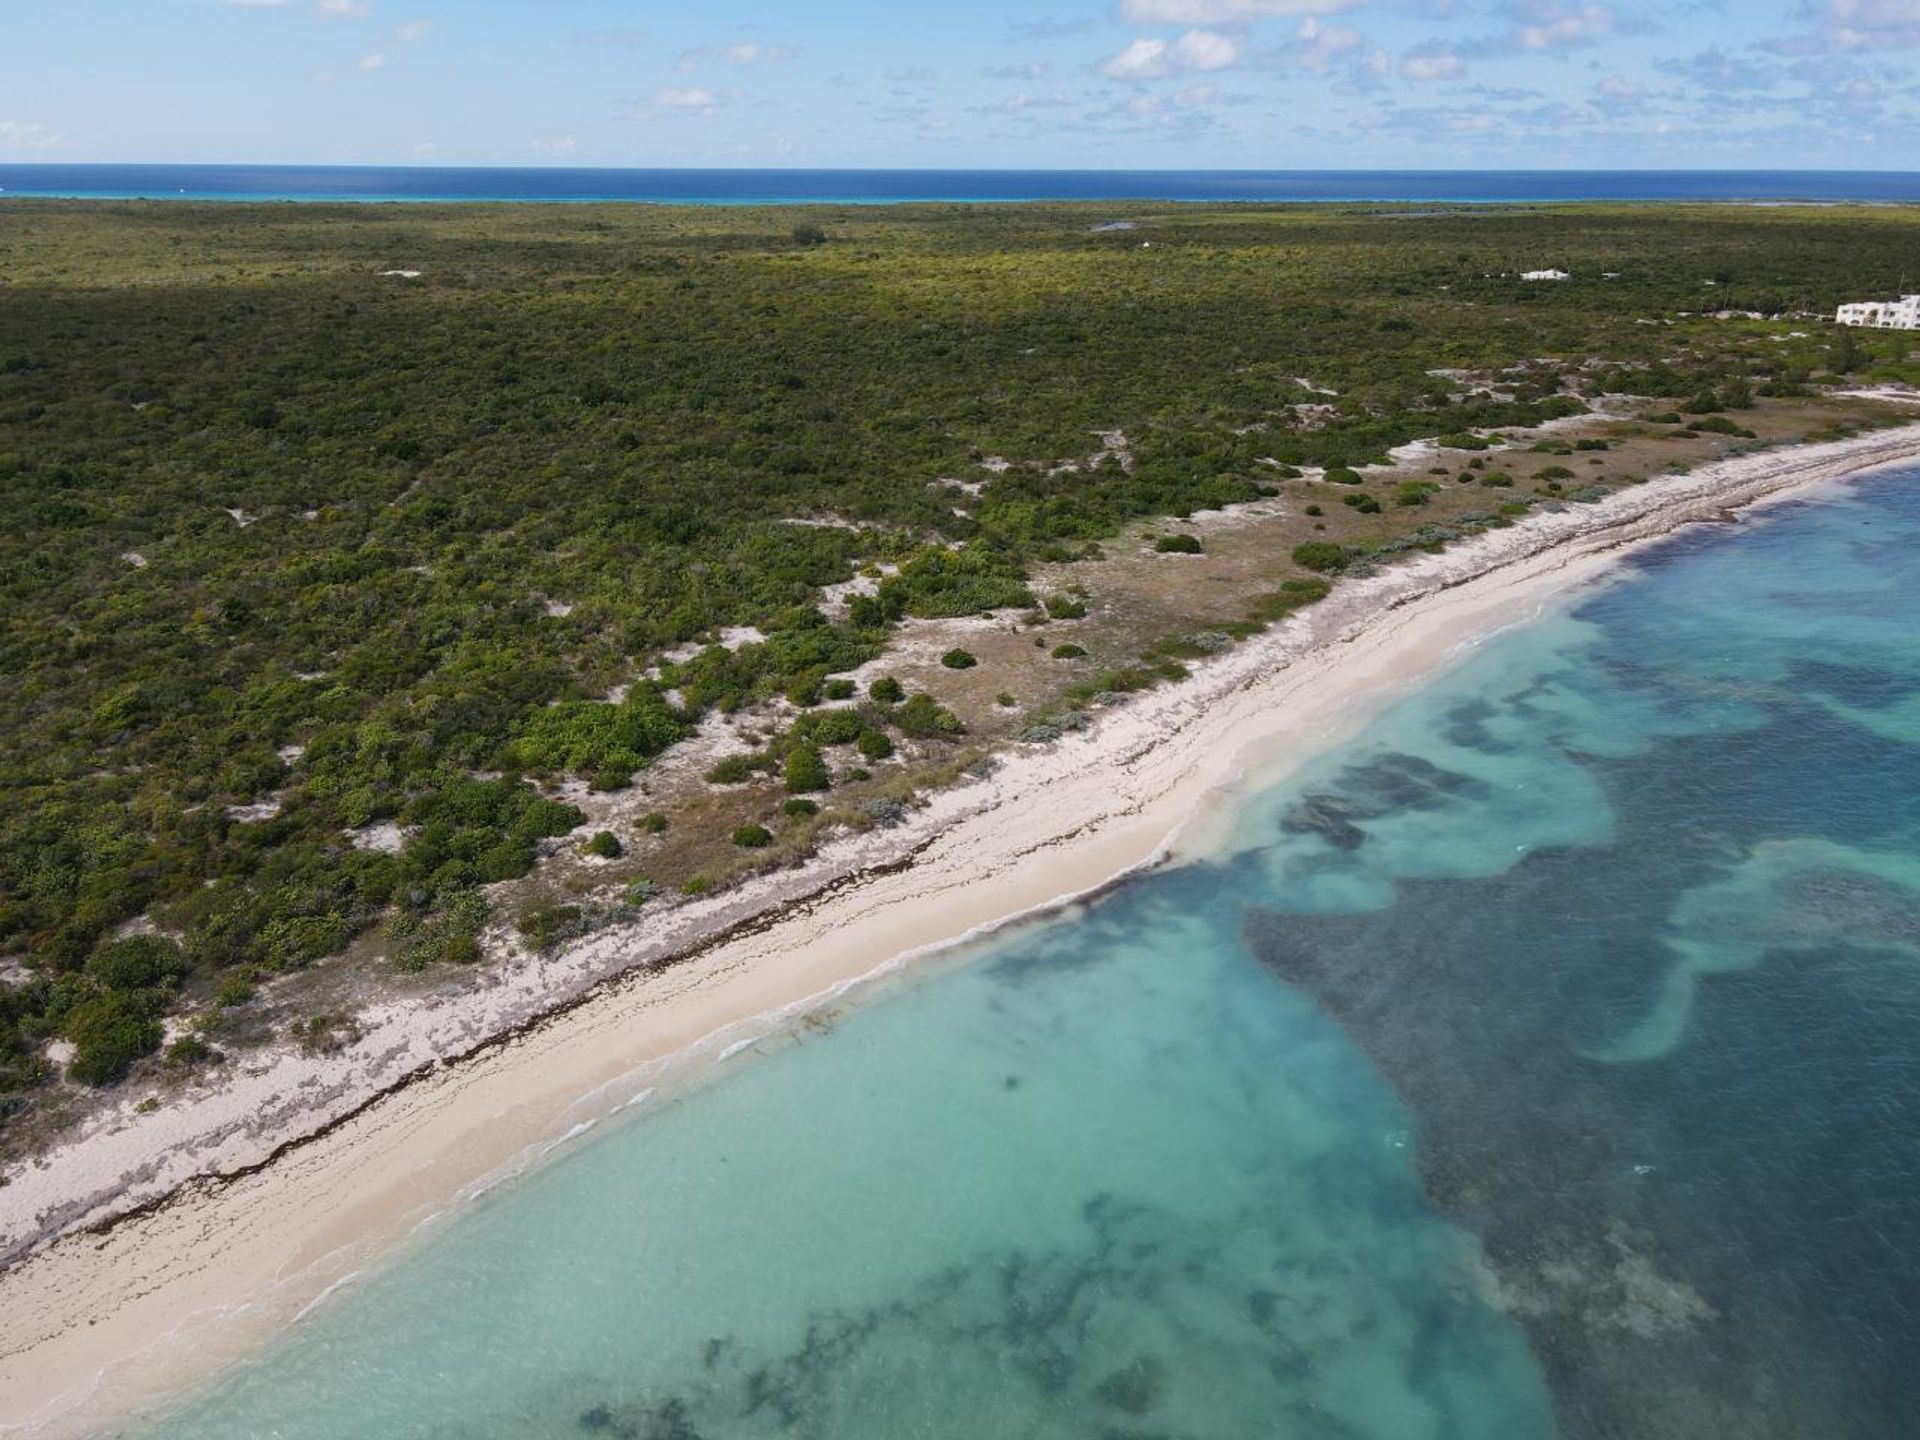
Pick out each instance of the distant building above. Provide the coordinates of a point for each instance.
(1546, 275)
(1901, 314)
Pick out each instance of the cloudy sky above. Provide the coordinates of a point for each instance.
(1271, 84)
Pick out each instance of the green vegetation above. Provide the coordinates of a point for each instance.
(753, 837)
(806, 770)
(1320, 555)
(317, 584)
(1177, 545)
(957, 659)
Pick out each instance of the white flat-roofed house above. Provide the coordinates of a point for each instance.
(1901, 314)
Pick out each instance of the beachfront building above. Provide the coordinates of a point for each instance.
(1901, 314)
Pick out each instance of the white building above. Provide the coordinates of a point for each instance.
(1545, 275)
(1901, 314)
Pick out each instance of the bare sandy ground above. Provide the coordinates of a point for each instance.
(155, 1250)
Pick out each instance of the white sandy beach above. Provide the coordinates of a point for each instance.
(95, 1325)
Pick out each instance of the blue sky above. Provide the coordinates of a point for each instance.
(1273, 84)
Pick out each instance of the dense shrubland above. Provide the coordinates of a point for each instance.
(294, 552)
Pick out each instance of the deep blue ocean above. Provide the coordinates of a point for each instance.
(1545, 1062)
(879, 187)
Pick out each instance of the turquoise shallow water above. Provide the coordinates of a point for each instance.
(1543, 1062)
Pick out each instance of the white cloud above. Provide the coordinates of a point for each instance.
(1223, 12)
(28, 135)
(413, 30)
(561, 145)
(1553, 25)
(375, 61)
(686, 100)
(425, 150)
(1431, 65)
(744, 52)
(1200, 50)
(1861, 25)
(346, 9)
(1321, 45)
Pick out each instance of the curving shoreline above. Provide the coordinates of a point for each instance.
(89, 1318)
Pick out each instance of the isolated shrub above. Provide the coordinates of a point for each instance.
(736, 769)
(1320, 555)
(887, 690)
(1365, 504)
(546, 923)
(652, 823)
(1345, 475)
(606, 845)
(1065, 607)
(838, 689)
(874, 745)
(806, 770)
(924, 718)
(753, 837)
(1315, 510)
(800, 808)
(1177, 545)
(1069, 651)
(189, 1050)
(959, 660)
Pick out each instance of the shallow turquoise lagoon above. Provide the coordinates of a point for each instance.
(1547, 1061)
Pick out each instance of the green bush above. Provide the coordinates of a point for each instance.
(924, 718)
(1365, 504)
(874, 745)
(1177, 545)
(546, 923)
(1345, 475)
(838, 689)
(606, 845)
(806, 770)
(800, 808)
(1320, 555)
(189, 1050)
(652, 823)
(109, 1033)
(887, 690)
(1069, 651)
(737, 769)
(139, 962)
(829, 727)
(1066, 607)
(753, 837)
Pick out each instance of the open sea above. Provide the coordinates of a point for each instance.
(1544, 1062)
(880, 187)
